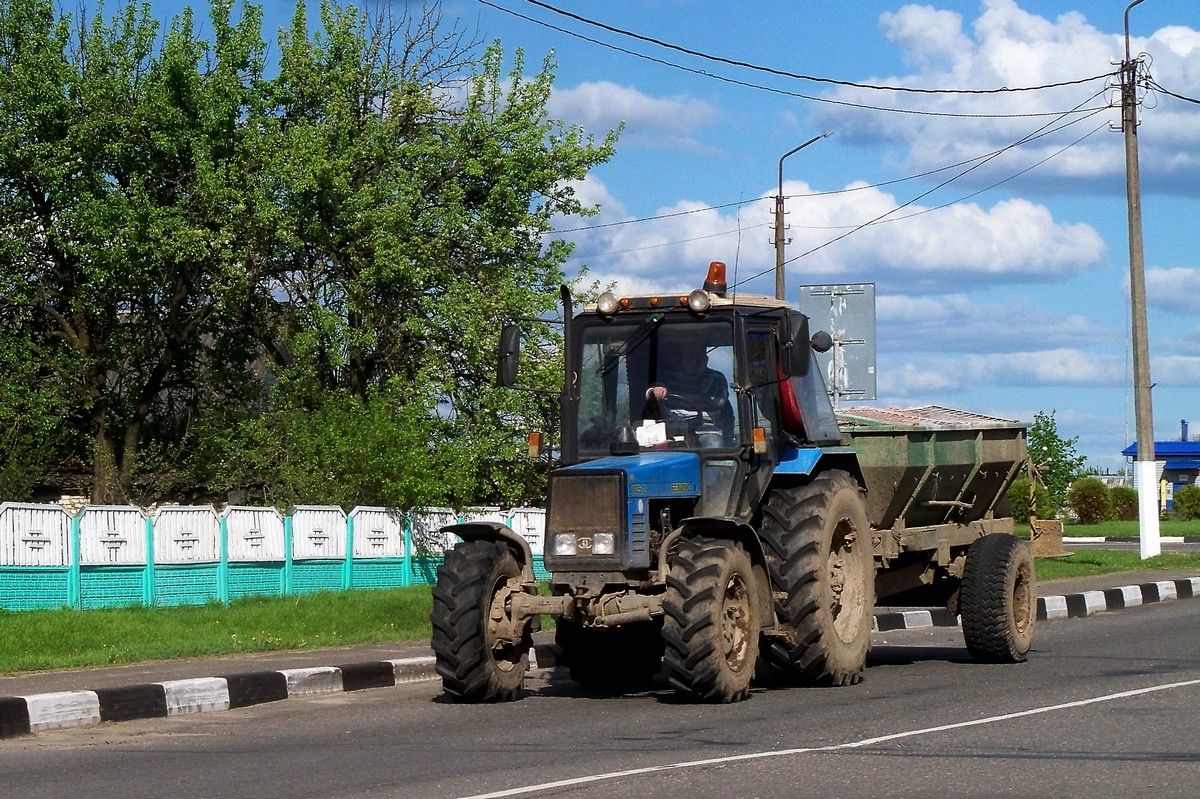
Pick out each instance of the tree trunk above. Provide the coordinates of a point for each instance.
(106, 472)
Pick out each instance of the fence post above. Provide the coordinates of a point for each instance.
(288, 563)
(75, 571)
(406, 570)
(148, 578)
(223, 559)
(348, 564)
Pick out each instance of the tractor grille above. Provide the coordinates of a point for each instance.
(587, 501)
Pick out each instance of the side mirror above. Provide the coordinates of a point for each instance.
(509, 356)
(822, 341)
(794, 353)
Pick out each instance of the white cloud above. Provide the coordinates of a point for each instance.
(930, 38)
(955, 323)
(1175, 290)
(602, 105)
(1007, 46)
(925, 378)
(952, 248)
(1176, 370)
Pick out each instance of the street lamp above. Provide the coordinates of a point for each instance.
(1144, 470)
(779, 240)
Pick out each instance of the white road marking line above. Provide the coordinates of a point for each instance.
(614, 775)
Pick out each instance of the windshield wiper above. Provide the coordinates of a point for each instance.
(636, 340)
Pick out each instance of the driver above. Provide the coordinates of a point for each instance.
(687, 389)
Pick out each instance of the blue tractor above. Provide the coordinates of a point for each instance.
(713, 516)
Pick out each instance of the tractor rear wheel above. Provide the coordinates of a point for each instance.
(998, 599)
(477, 660)
(818, 543)
(711, 620)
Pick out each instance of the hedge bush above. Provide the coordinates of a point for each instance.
(1186, 503)
(1124, 503)
(1018, 500)
(1089, 498)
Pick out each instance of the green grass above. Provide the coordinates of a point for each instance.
(1167, 527)
(1088, 562)
(60, 639)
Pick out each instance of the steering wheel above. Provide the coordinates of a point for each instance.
(688, 402)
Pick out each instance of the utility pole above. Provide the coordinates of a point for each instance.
(779, 239)
(1145, 472)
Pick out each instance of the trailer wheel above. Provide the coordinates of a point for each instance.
(475, 661)
(625, 658)
(818, 542)
(998, 599)
(711, 620)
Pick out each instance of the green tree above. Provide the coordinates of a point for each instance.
(217, 270)
(1185, 504)
(1057, 462)
(1018, 500)
(1124, 503)
(33, 412)
(1089, 498)
(413, 225)
(125, 194)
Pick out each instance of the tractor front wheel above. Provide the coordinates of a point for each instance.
(711, 620)
(478, 656)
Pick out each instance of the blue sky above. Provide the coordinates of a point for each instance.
(1005, 291)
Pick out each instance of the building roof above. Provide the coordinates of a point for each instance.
(1167, 450)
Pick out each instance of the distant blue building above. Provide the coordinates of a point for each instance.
(1178, 463)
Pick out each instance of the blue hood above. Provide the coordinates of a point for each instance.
(652, 474)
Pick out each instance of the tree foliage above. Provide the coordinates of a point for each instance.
(1124, 503)
(1089, 498)
(1057, 462)
(1185, 505)
(1018, 500)
(235, 281)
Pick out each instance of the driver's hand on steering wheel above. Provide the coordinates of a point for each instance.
(657, 392)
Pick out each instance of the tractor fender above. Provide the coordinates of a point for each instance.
(747, 536)
(497, 531)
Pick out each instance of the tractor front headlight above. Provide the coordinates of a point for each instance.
(564, 544)
(604, 544)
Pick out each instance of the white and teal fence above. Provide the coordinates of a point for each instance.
(111, 556)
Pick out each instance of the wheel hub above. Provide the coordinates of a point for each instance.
(735, 623)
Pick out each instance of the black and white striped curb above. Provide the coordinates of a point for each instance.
(1126, 596)
(1057, 607)
(22, 715)
(1119, 539)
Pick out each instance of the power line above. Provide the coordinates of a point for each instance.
(977, 192)
(1023, 140)
(1153, 84)
(799, 76)
(769, 89)
(875, 221)
(830, 192)
(672, 243)
(653, 218)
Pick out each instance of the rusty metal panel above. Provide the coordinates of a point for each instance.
(933, 465)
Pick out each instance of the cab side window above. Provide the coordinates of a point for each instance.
(762, 373)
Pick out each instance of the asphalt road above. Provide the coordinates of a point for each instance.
(1106, 707)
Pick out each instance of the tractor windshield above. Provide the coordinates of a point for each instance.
(671, 382)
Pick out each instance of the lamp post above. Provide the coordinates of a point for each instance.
(779, 240)
(1144, 469)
